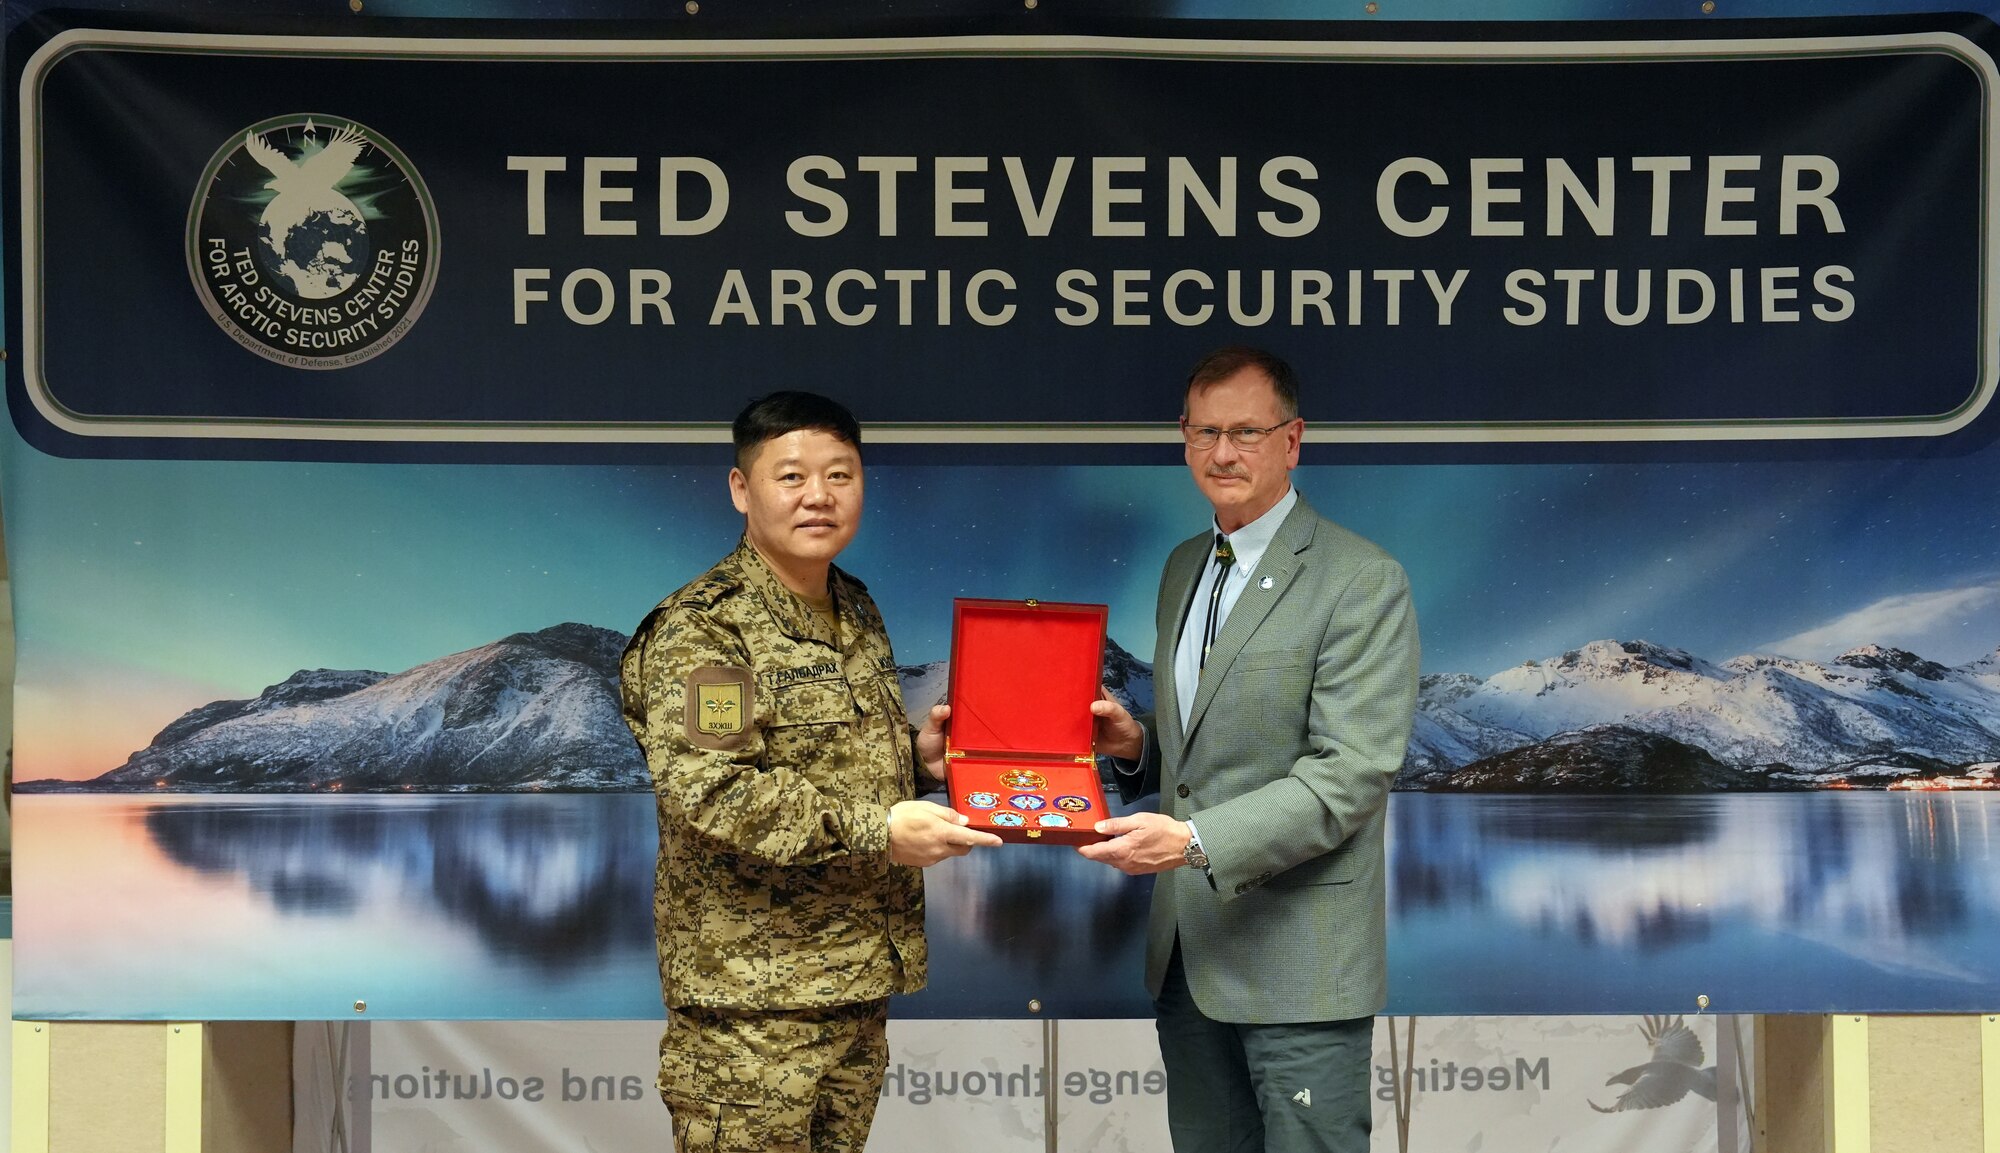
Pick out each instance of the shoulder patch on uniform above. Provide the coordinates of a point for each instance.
(704, 591)
(721, 700)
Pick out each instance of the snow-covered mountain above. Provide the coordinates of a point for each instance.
(532, 710)
(540, 711)
(1594, 759)
(1871, 714)
(529, 711)
(1442, 739)
(1985, 670)
(1633, 715)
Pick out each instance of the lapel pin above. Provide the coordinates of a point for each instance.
(1267, 582)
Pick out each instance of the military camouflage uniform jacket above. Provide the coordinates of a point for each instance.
(776, 749)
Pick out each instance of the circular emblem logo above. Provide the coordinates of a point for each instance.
(1028, 801)
(1009, 820)
(312, 241)
(1023, 779)
(982, 800)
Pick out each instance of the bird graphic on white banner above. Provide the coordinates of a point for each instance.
(1674, 1071)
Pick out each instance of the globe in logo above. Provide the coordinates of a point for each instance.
(312, 241)
(312, 235)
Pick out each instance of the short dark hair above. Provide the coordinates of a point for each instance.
(1226, 362)
(786, 412)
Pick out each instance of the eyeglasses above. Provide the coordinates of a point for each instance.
(1204, 436)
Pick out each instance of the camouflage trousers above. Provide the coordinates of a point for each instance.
(774, 1081)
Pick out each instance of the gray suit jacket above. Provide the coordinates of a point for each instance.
(1299, 726)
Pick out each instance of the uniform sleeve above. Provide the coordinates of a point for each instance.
(682, 677)
(921, 781)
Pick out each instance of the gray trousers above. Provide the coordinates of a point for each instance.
(1295, 1088)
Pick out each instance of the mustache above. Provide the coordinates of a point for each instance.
(1227, 471)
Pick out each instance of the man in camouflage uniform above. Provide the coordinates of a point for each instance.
(788, 899)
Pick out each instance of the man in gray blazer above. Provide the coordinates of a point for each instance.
(1285, 679)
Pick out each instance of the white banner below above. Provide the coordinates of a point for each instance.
(1584, 1084)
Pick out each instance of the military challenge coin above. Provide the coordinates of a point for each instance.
(1023, 779)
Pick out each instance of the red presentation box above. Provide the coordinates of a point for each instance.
(1018, 756)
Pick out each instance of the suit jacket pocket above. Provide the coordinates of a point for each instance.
(1254, 660)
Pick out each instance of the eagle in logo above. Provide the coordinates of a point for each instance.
(317, 237)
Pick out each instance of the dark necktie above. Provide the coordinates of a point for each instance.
(1225, 558)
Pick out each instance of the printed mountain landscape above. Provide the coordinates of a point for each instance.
(529, 711)
(1618, 716)
(539, 711)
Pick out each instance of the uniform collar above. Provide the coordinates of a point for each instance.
(789, 611)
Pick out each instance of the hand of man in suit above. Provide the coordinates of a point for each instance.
(1141, 843)
(1114, 733)
(930, 742)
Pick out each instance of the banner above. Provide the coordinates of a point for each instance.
(1706, 247)
(369, 381)
(1616, 1085)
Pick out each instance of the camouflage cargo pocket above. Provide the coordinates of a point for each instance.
(697, 1124)
(702, 1126)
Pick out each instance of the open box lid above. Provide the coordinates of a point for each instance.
(1023, 674)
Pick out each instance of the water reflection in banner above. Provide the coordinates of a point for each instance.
(540, 906)
(1764, 902)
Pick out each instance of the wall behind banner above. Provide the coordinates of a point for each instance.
(1673, 410)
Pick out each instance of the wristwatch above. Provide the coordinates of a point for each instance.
(1196, 859)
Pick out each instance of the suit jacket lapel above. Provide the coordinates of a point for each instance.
(1281, 563)
(1183, 570)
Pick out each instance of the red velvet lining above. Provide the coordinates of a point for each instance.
(1022, 678)
(1069, 790)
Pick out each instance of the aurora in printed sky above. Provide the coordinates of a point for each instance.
(145, 588)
